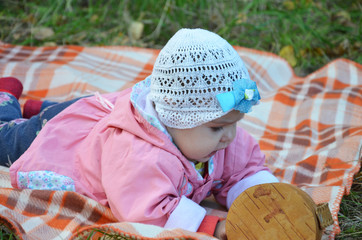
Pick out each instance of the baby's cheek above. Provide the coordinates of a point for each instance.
(212, 146)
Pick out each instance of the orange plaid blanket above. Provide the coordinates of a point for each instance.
(309, 128)
(44, 214)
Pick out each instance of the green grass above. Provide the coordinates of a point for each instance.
(350, 213)
(317, 31)
(6, 234)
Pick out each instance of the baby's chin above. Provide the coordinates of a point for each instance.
(204, 159)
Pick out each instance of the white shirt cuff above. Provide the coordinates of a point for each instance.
(187, 215)
(255, 179)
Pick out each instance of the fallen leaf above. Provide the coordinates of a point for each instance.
(303, 53)
(287, 52)
(357, 45)
(345, 44)
(308, 2)
(319, 5)
(117, 40)
(94, 18)
(49, 44)
(216, 19)
(289, 5)
(317, 51)
(343, 17)
(125, 41)
(16, 36)
(60, 20)
(242, 17)
(135, 30)
(29, 19)
(312, 52)
(42, 33)
(80, 36)
(338, 50)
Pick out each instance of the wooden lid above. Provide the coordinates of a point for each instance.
(273, 211)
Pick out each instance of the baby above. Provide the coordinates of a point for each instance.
(154, 152)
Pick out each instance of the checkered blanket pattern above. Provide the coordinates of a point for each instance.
(309, 128)
(43, 214)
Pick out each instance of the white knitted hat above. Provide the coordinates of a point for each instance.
(193, 67)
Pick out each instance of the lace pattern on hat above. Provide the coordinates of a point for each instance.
(193, 67)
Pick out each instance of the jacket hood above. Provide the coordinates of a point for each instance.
(126, 117)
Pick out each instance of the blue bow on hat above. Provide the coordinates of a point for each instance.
(242, 98)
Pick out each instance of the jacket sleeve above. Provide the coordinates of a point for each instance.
(187, 215)
(260, 177)
(140, 181)
(241, 159)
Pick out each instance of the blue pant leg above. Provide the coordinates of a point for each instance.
(16, 137)
(9, 107)
(46, 104)
(51, 109)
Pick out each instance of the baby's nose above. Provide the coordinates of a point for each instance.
(229, 134)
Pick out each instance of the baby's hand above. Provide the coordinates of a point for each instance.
(220, 232)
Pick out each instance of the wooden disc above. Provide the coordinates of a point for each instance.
(273, 211)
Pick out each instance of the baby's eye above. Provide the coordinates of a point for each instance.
(216, 129)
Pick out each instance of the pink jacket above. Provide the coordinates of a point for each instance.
(118, 159)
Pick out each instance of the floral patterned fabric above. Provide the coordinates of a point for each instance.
(5, 99)
(46, 180)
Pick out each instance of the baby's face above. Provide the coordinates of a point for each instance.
(200, 143)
